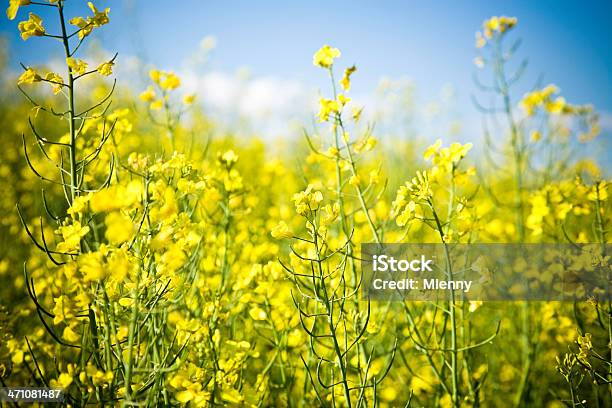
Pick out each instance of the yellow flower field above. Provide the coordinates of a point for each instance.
(150, 259)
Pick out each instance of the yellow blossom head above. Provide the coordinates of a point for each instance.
(11, 11)
(170, 81)
(56, 81)
(29, 76)
(77, 66)
(328, 107)
(281, 230)
(324, 58)
(345, 82)
(148, 95)
(494, 26)
(228, 159)
(189, 99)
(99, 18)
(31, 28)
(85, 26)
(106, 68)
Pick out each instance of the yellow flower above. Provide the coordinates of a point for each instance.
(85, 26)
(118, 228)
(229, 158)
(98, 377)
(62, 309)
(492, 24)
(446, 158)
(585, 342)
(307, 200)
(506, 23)
(432, 150)
(78, 205)
(92, 267)
(99, 18)
(184, 396)
(155, 75)
(598, 193)
(535, 135)
(457, 151)
(357, 114)
(480, 40)
(555, 106)
(28, 77)
(148, 95)
(281, 230)
(258, 313)
(345, 82)
(70, 335)
(77, 66)
(119, 263)
(543, 99)
(168, 207)
(13, 7)
(31, 28)
(365, 145)
(170, 81)
(343, 99)
(189, 99)
(324, 58)
(117, 197)
(405, 213)
(328, 107)
(106, 68)
(498, 25)
(72, 235)
(56, 81)
(474, 304)
(330, 213)
(63, 381)
(126, 302)
(374, 176)
(333, 151)
(17, 357)
(157, 105)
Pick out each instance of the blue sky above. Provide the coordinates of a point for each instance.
(567, 43)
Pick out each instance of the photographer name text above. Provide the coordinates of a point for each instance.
(386, 264)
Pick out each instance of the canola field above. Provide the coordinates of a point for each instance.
(149, 259)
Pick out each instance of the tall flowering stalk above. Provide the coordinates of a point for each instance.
(328, 288)
(158, 97)
(77, 69)
(540, 149)
(420, 201)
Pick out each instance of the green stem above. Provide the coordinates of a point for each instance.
(71, 110)
(602, 240)
(517, 153)
(330, 319)
(131, 334)
(451, 311)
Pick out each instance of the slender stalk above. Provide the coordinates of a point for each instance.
(343, 218)
(362, 202)
(518, 158)
(71, 109)
(131, 333)
(330, 320)
(451, 311)
(602, 240)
